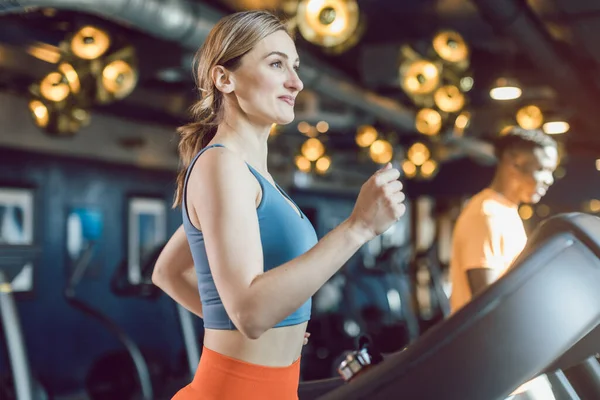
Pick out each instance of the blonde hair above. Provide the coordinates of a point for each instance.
(228, 41)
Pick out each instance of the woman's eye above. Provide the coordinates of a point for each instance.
(276, 64)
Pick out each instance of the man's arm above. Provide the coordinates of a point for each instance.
(481, 278)
(481, 252)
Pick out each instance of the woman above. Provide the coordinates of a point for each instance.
(256, 258)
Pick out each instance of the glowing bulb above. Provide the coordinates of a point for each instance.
(428, 168)
(526, 212)
(409, 168)
(303, 163)
(428, 121)
(505, 90)
(119, 78)
(323, 164)
(381, 151)
(90, 43)
(322, 126)
(418, 153)
(505, 93)
(303, 127)
(55, 87)
(366, 135)
(449, 98)
(40, 113)
(312, 149)
(556, 127)
(530, 117)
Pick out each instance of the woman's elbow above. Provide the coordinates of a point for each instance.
(249, 324)
(158, 275)
(251, 331)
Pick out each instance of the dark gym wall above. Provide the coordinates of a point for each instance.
(61, 341)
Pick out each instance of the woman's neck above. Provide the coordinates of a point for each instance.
(246, 139)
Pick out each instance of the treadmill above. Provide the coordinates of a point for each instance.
(12, 260)
(540, 317)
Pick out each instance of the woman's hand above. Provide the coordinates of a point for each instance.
(306, 336)
(380, 203)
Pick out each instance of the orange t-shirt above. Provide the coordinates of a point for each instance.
(489, 233)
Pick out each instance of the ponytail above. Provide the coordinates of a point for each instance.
(197, 135)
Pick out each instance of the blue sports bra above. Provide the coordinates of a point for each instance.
(284, 235)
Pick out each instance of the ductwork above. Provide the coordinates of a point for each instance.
(189, 24)
(516, 19)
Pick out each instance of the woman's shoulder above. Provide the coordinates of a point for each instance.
(221, 169)
(218, 159)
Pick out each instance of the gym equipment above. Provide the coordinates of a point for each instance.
(542, 316)
(141, 375)
(431, 261)
(133, 374)
(585, 378)
(360, 360)
(24, 387)
(167, 382)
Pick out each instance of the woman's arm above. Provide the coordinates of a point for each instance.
(174, 273)
(223, 195)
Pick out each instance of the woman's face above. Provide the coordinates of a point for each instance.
(266, 82)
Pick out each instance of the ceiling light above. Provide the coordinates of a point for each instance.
(556, 127)
(119, 78)
(327, 23)
(419, 77)
(312, 149)
(449, 98)
(451, 46)
(55, 87)
(428, 121)
(530, 117)
(505, 90)
(366, 135)
(90, 43)
(381, 151)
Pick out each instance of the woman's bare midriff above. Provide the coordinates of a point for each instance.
(278, 347)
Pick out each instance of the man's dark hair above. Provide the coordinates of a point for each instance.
(522, 139)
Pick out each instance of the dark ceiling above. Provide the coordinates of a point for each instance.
(550, 46)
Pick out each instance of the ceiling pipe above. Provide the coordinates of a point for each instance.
(516, 19)
(189, 24)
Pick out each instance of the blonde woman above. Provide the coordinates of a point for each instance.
(249, 248)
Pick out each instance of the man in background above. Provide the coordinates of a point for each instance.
(489, 233)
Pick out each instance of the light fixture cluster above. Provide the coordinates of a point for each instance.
(92, 69)
(380, 149)
(437, 82)
(334, 25)
(313, 155)
(419, 163)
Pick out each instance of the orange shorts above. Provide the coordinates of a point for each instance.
(219, 377)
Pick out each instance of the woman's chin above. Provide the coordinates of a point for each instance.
(284, 120)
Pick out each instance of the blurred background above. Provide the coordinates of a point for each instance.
(91, 94)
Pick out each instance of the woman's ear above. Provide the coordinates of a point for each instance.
(222, 79)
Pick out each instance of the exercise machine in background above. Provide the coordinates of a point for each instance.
(21, 383)
(133, 373)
